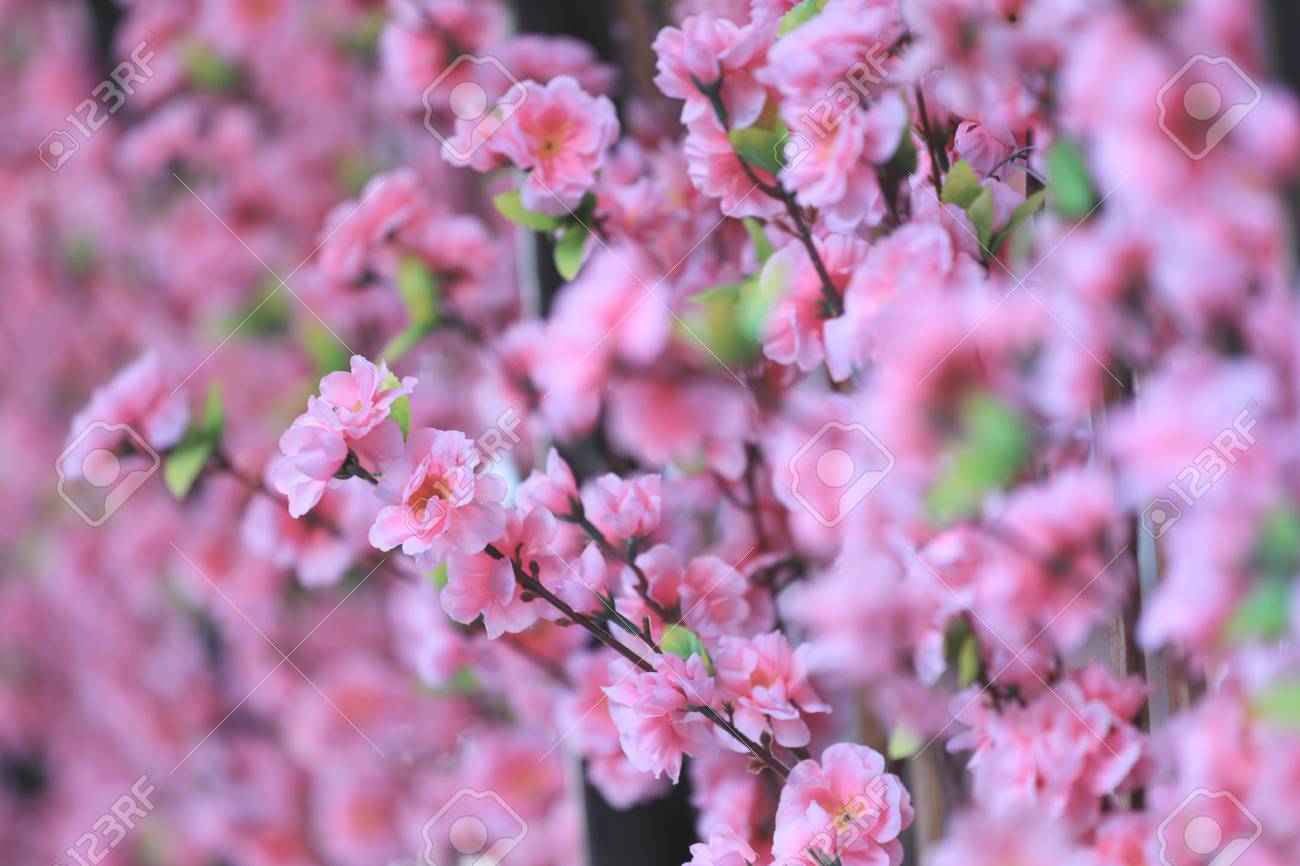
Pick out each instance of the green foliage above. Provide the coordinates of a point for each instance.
(418, 288)
(1263, 614)
(961, 187)
(511, 206)
(207, 70)
(763, 248)
(800, 15)
(729, 319)
(993, 441)
(400, 411)
(981, 217)
(571, 249)
(184, 463)
(961, 651)
(1276, 552)
(323, 348)
(903, 743)
(1280, 704)
(1023, 211)
(758, 146)
(681, 641)
(1072, 191)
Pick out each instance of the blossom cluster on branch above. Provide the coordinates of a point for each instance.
(880, 413)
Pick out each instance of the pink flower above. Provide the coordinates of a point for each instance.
(1056, 565)
(351, 416)
(140, 398)
(582, 584)
(437, 501)
(313, 453)
(651, 710)
(360, 400)
(913, 258)
(355, 230)
(584, 712)
(552, 489)
(318, 555)
(624, 508)
(716, 171)
(977, 839)
(479, 584)
(429, 644)
(559, 135)
(836, 172)
(708, 52)
(724, 848)
(840, 56)
(543, 58)
(982, 145)
(795, 330)
(708, 592)
(845, 806)
(766, 681)
(1062, 753)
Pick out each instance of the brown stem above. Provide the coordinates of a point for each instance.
(834, 305)
(752, 458)
(938, 159)
(534, 586)
(578, 516)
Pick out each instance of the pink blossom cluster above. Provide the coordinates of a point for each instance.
(876, 414)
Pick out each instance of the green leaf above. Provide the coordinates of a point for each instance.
(1264, 613)
(961, 187)
(80, 254)
(903, 743)
(400, 411)
(586, 209)
(268, 316)
(208, 70)
(799, 16)
(214, 414)
(1280, 703)
(1276, 552)
(981, 216)
(363, 39)
(968, 661)
(961, 652)
(437, 576)
(511, 206)
(324, 349)
(992, 444)
(570, 250)
(759, 147)
(904, 160)
(681, 641)
(763, 248)
(183, 464)
(417, 286)
(1023, 211)
(1072, 191)
(460, 684)
(712, 320)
